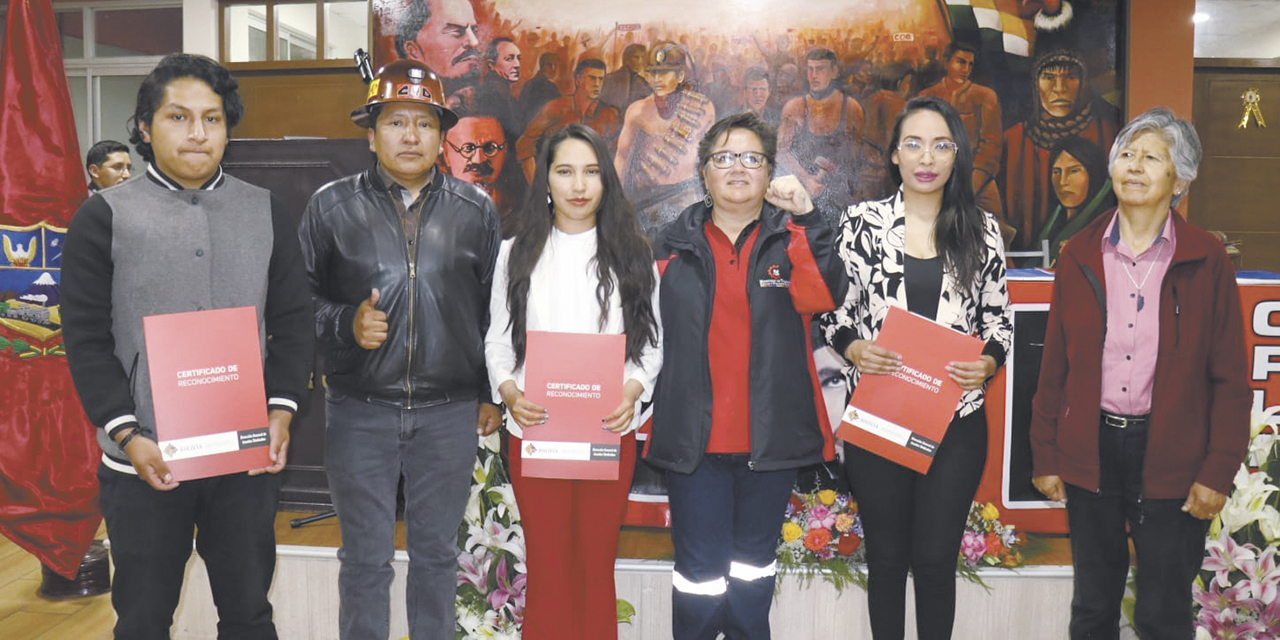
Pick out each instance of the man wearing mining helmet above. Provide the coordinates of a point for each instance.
(400, 259)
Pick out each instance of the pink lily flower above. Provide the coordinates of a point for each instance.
(1224, 556)
(1262, 577)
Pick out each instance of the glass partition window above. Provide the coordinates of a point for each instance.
(137, 32)
(296, 32)
(289, 30)
(245, 29)
(71, 32)
(346, 28)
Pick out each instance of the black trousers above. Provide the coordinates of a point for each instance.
(1169, 545)
(232, 519)
(915, 522)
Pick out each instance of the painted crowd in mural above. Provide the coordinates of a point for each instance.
(1036, 81)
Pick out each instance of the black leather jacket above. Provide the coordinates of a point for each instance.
(436, 299)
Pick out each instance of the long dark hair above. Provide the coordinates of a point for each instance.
(623, 259)
(957, 233)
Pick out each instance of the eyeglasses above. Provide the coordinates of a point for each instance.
(749, 159)
(913, 149)
(468, 149)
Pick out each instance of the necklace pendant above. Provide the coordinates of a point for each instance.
(1141, 301)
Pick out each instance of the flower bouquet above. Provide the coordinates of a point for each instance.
(1236, 593)
(823, 535)
(491, 571)
(987, 543)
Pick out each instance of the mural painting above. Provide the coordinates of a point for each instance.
(1037, 81)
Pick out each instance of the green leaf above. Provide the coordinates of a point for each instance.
(20, 346)
(625, 611)
(4, 344)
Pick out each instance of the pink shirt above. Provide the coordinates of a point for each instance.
(1133, 318)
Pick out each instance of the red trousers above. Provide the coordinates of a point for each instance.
(571, 541)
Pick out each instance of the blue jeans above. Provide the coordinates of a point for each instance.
(725, 523)
(368, 449)
(1168, 543)
(233, 520)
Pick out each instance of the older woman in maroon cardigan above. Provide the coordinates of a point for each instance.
(1142, 413)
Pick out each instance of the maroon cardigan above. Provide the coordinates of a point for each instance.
(1200, 399)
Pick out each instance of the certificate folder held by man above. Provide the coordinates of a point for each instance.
(208, 392)
(903, 416)
(577, 377)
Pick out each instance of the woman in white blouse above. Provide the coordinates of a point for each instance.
(576, 263)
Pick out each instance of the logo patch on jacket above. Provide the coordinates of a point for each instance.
(774, 278)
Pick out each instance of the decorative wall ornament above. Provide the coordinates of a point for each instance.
(1252, 107)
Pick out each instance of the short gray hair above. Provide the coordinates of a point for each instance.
(1180, 135)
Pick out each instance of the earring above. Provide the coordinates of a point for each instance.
(708, 201)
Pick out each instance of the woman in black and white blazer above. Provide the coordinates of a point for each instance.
(928, 249)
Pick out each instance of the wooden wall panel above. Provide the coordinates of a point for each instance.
(1234, 192)
(293, 170)
(300, 103)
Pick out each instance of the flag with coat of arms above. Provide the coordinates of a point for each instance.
(48, 454)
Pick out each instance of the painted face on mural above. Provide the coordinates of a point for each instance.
(635, 59)
(591, 81)
(448, 41)
(507, 66)
(664, 82)
(1059, 88)
(820, 74)
(757, 94)
(475, 150)
(960, 66)
(829, 364)
(1070, 180)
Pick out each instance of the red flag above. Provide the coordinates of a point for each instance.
(48, 456)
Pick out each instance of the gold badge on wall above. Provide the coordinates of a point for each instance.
(1252, 107)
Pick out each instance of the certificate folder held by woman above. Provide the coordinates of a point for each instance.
(576, 377)
(903, 416)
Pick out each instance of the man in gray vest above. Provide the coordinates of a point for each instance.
(400, 259)
(183, 237)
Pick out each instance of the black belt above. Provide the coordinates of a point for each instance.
(1118, 421)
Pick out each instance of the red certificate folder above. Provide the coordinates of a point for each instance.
(577, 377)
(902, 417)
(206, 385)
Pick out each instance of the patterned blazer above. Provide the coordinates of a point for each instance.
(872, 241)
